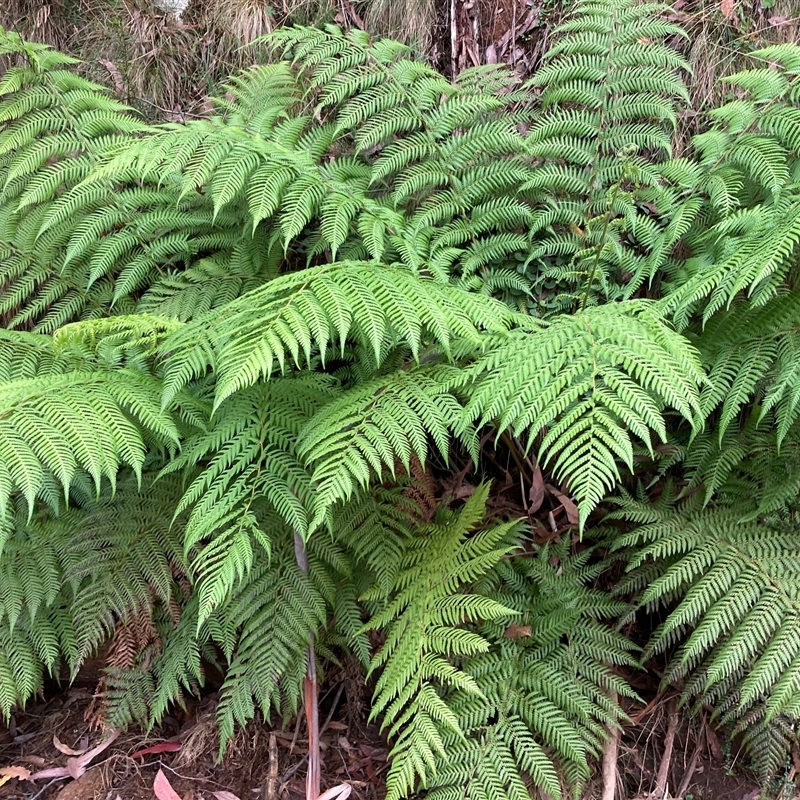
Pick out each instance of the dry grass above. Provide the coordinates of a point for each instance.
(244, 20)
(720, 44)
(167, 66)
(410, 21)
(146, 54)
(38, 21)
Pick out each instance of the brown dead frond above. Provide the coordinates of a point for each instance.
(423, 491)
(132, 639)
(133, 644)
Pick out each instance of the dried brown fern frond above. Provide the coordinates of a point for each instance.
(134, 637)
(134, 643)
(424, 491)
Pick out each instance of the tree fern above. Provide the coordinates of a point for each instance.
(350, 266)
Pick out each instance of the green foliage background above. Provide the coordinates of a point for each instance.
(232, 336)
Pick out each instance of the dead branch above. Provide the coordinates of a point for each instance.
(610, 756)
(662, 777)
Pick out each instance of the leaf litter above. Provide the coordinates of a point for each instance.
(49, 751)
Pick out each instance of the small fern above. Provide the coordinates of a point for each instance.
(546, 683)
(471, 710)
(423, 622)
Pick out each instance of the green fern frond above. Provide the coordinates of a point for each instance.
(60, 423)
(296, 316)
(583, 384)
(53, 123)
(274, 612)
(423, 622)
(544, 706)
(251, 474)
(736, 619)
(371, 428)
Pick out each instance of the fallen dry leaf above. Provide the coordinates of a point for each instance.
(727, 9)
(162, 747)
(340, 792)
(20, 773)
(517, 631)
(67, 751)
(225, 795)
(536, 492)
(569, 507)
(75, 766)
(163, 788)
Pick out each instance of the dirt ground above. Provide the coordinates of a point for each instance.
(53, 739)
(260, 762)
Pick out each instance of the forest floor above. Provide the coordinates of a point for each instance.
(53, 739)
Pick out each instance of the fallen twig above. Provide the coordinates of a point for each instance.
(271, 783)
(662, 777)
(610, 756)
(687, 778)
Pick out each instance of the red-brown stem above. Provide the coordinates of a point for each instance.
(312, 717)
(311, 705)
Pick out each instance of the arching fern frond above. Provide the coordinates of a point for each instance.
(736, 619)
(582, 385)
(52, 426)
(53, 123)
(748, 159)
(297, 316)
(370, 429)
(611, 89)
(264, 632)
(69, 580)
(245, 470)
